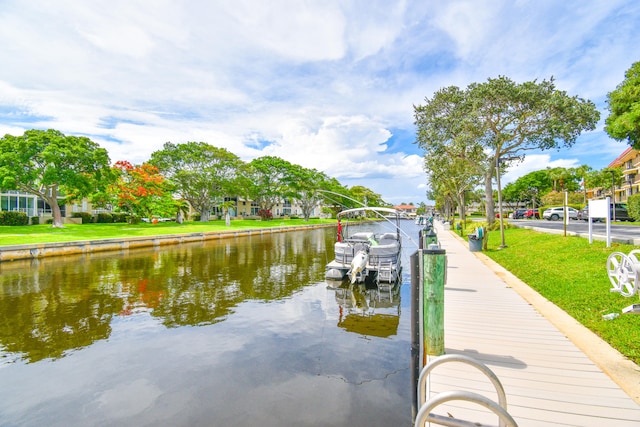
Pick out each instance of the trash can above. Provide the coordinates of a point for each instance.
(475, 243)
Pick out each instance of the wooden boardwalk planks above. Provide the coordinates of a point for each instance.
(548, 380)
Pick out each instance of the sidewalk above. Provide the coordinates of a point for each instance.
(555, 372)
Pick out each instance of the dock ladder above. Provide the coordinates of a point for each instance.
(425, 407)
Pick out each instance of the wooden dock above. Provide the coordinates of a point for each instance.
(554, 371)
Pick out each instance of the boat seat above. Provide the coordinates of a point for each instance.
(360, 237)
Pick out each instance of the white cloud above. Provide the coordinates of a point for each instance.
(323, 83)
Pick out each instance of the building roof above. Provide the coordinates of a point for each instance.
(627, 154)
(405, 207)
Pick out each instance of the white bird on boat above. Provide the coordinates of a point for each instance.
(358, 264)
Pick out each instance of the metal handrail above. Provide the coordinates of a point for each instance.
(502, 398)
(424, 414)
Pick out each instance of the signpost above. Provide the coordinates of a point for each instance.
(600, 209)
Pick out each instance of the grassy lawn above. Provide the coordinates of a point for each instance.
(572, 274)
(19, 235)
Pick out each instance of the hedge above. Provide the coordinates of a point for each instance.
(104, 218)
(13, 218)
(87, 218)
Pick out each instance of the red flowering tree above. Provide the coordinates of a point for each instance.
(143, 191)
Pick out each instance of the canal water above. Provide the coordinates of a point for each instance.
(235, 332)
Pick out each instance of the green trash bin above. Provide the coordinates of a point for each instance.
(475, 243)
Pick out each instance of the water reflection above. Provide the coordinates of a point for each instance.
(228, 333)
(53, 305)
(369, 310)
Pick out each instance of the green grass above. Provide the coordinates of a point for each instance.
(31, 234)
(572, 274)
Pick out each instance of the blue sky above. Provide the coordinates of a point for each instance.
(325, 84)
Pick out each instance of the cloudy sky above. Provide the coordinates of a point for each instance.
(327, 84)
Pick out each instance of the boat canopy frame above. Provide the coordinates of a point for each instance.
(378, 210)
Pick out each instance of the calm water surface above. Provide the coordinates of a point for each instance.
(236, 332)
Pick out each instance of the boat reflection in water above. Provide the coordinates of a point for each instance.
(367, 309)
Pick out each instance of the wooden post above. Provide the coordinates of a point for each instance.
(434, 275)
(430, 238)
(415, 329)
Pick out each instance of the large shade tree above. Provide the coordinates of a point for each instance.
(203, 174)
(271, 182)
(623, 122)
(366, 196)
(505, 119)
(307, 186)
(55, 167)
(529, 188)
(336, 197)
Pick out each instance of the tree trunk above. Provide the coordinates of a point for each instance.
(488, 191)
(461, 208)
(205, 214)
(52, 200)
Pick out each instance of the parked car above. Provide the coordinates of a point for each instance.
(532, 213)
(554, 214)
(621, 213)
(518, 213)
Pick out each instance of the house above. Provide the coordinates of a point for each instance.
(408, 211)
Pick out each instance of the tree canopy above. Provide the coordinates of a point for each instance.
(504, 119)
(53, 166)
(203, 174)
(271, 181)
(142, 191)
(623, 122)
(306, 185)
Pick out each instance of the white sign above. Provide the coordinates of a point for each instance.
(600, 209)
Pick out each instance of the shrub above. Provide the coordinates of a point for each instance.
(104, 218)
(120, 217)
(633, 206)
(13, 218)
(87, 218)
(265, 214)
(35, 220)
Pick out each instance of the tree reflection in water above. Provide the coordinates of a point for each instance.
(53, 305)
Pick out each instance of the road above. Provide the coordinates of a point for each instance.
(620, 232)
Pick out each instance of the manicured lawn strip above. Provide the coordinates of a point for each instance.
(572, 274)
(30, 234)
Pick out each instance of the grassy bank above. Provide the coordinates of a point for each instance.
(572, 274)
(71, 232)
